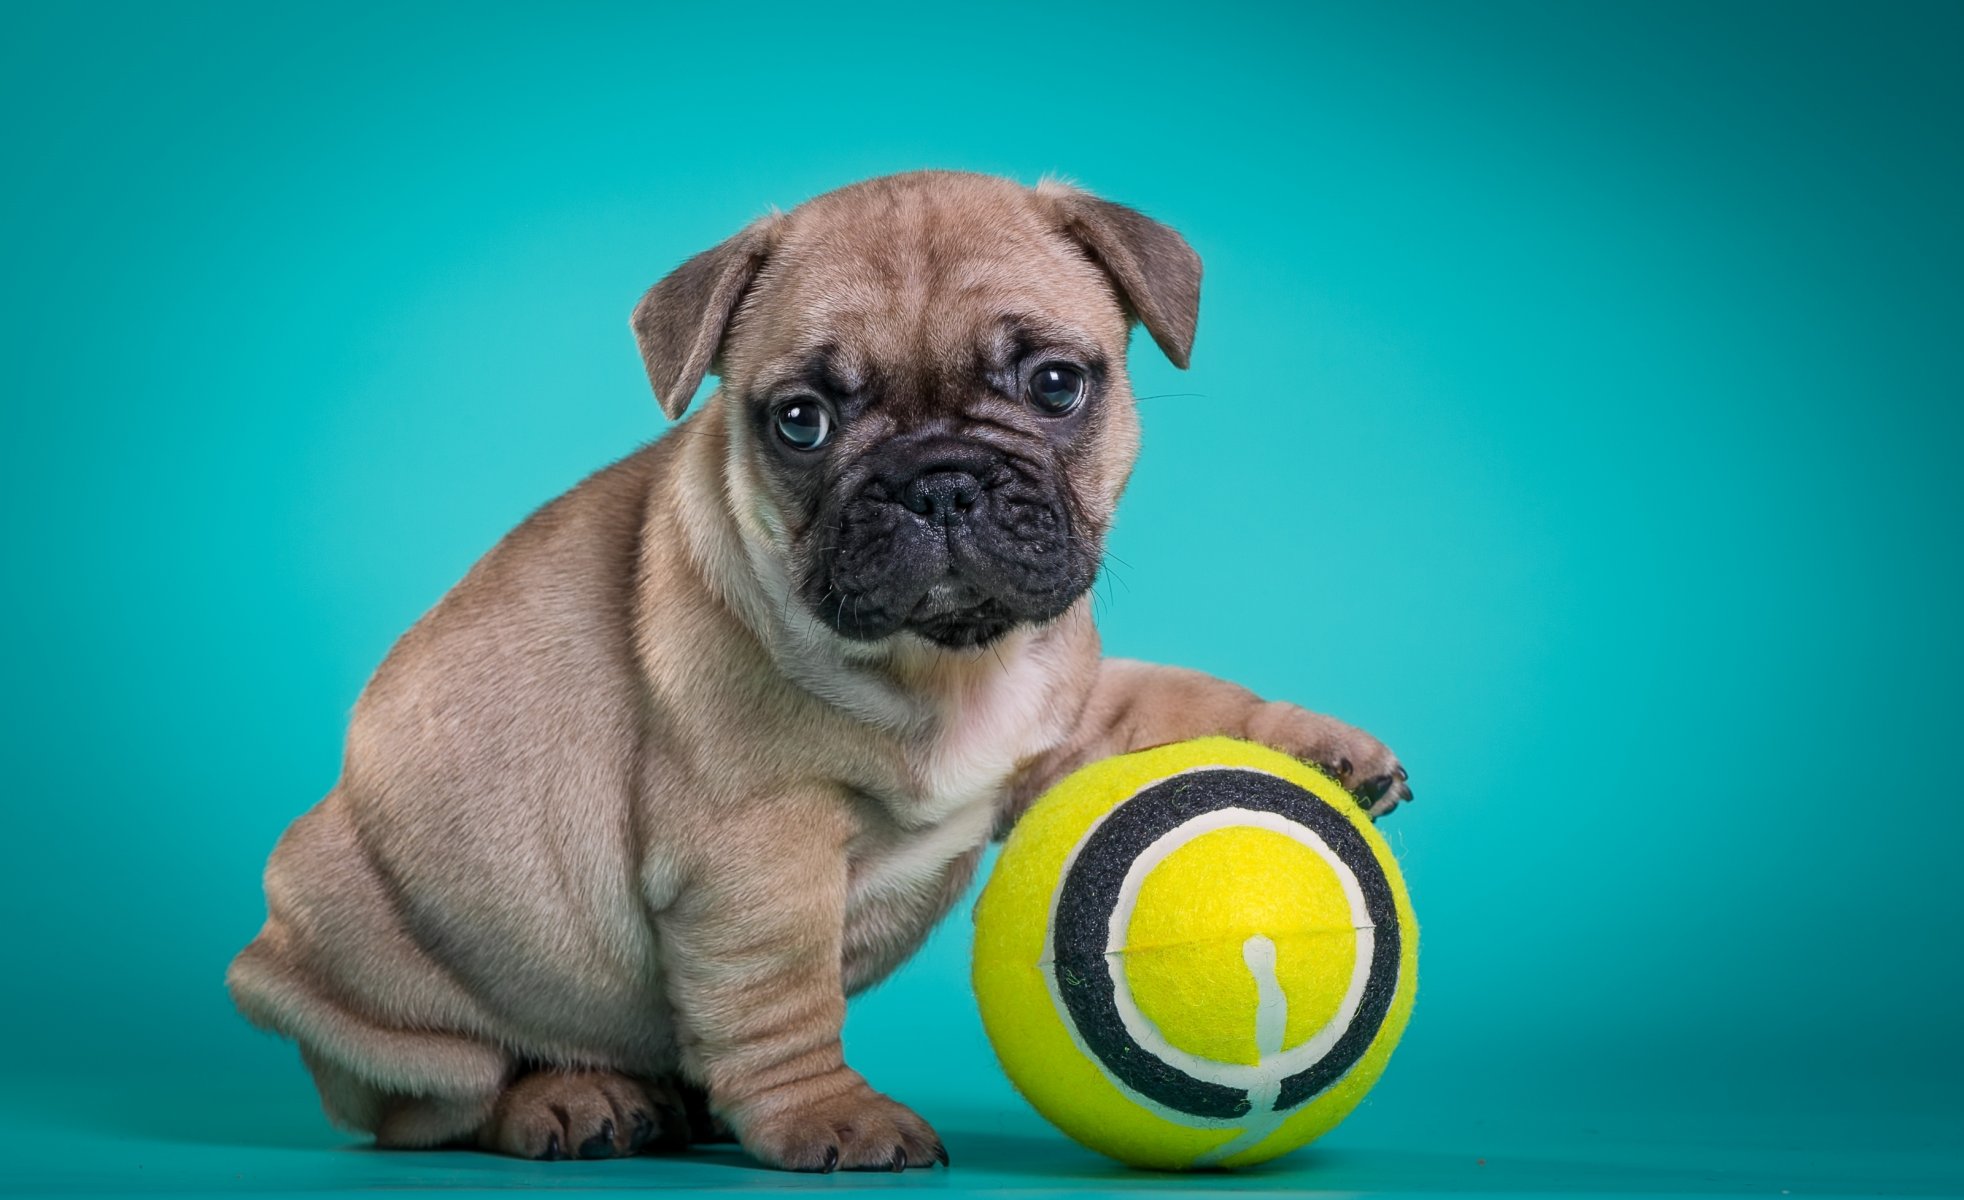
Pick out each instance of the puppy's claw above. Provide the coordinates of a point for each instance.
(1396, 795)
(941, 1154)
(852, 1129)
(1362, 765)
(641, 1132)
(555, 1114)
(601, 1144)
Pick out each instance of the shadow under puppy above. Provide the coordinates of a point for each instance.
(710, 742)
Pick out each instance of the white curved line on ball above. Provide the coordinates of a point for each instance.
(1268, 1072)
(1265, 1123)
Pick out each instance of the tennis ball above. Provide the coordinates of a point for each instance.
(1199, 955)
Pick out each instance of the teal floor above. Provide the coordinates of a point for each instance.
(90, 1138)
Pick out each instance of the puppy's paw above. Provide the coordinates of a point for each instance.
(584, 1114)
(854, 1129)
(1362, 764)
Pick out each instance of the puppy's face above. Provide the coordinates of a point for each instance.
(924, 379)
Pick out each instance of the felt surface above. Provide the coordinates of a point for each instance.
(1184, 957)
(1066, 869)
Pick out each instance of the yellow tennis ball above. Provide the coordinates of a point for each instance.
(1197, 955)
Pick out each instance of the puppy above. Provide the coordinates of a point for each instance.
(710, 742)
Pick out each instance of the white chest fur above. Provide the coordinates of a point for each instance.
(990, 712)
(900, 864)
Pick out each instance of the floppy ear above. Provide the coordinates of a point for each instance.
(1157, 274)
(681, 320)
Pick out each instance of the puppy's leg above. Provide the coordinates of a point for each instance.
(423, 1122)
(552, 1114)
(1134, 705)
(752, 949)
(409, 1087)
(399, 1121)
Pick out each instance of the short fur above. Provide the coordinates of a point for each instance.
(626, 817)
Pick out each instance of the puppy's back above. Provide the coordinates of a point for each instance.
(472, 865)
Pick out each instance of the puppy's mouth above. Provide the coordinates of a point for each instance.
(955, 615)
(1011, 556)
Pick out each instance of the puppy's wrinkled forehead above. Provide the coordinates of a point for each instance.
(918, 269)
(920, 276)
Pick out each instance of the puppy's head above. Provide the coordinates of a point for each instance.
(924, 380)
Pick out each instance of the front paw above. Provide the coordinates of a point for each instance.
(854, 1129)
(1365, 766)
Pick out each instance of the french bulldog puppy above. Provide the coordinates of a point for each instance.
(709, 743)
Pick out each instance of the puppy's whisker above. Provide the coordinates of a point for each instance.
(823, 600)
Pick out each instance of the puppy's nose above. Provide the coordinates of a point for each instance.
(943, 497)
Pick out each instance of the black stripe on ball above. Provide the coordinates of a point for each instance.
(1089, 896)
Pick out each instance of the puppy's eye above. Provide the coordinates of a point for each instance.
(1057, 388)
(803, 425)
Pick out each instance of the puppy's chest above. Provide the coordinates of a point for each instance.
(941, 799)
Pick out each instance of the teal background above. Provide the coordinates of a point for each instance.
(1576, 405)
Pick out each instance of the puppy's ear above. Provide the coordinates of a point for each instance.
(1157, 274)
(680, 322)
